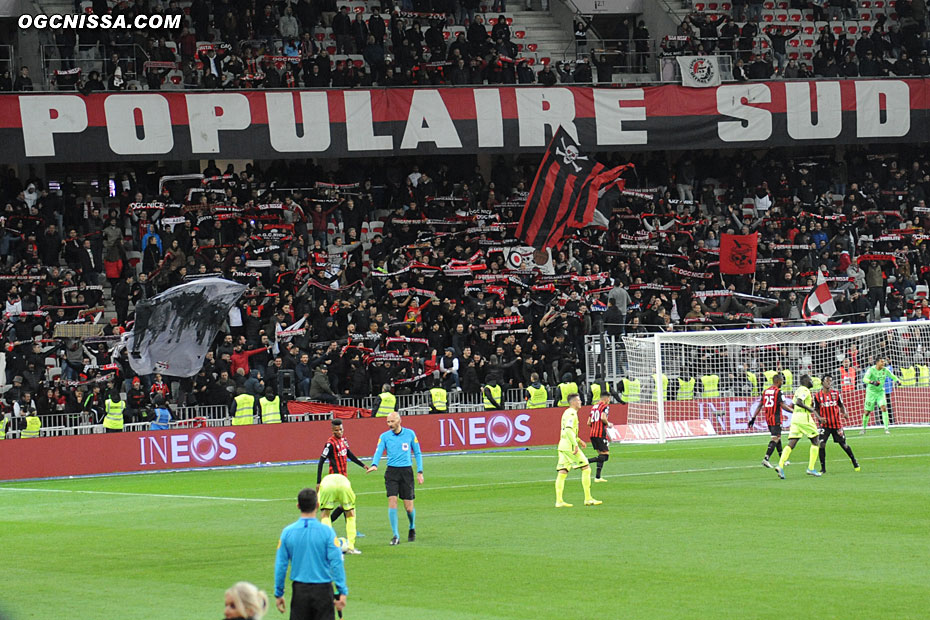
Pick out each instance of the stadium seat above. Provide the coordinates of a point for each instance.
(792, 55)
(768, 5)
(726, 7)
(699, 7)
(768, 17)
(782, 5)
(712, 7)
(781, 17)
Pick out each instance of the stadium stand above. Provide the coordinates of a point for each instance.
(796, 39)
(401, 272)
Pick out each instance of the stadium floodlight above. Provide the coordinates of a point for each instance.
(675, 381)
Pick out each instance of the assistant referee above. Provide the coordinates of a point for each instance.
(399, 443)
(316, 564)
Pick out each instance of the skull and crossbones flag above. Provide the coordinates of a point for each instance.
(564, 194)
(738, 253)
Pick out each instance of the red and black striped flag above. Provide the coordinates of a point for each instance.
(564, 194)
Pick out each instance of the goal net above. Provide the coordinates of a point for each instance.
(709, 382)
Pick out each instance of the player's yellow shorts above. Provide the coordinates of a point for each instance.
(569, 461)
(336, 490)
(874, 402)
(802, 426)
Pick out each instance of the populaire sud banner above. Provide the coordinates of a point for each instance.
(384, 122)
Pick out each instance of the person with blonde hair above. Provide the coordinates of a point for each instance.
(246, 602)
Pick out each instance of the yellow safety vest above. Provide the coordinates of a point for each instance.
(271, 410)
(595, 392)
(685, 389)
(565, 389)
(3, 424)
(769, 378)
(923, 376)
(788, 380)
(33, 424)
(655, 387)
(245, 410)
(754, 382)
(496, 392)
(440, 398)
(630, 391)
(710, 385)
(909, 377)
(114, 419)
(538, 397)
(817, 384)
(388, 405)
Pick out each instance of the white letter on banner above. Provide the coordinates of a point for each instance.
(428, 121)
(609, 116)
(799, 114)
(282, 122)
(39, 127)
(541, 107)
(360, 130)
(122, 131)
(490, 117)
(758, 122)
(868, 109)
(208, 114)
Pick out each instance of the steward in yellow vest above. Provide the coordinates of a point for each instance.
(564, 389)
(387, 402)
(685, 389)
(598, 388)
(244, 405)
(33, 425)
(536, 394)
(753, 383)
(492, 395)
(923, 376)
(660, 389)
(438, 399)
(631, 390)
(909, 377)
(710, 386)
(271, 407)
(114, 407)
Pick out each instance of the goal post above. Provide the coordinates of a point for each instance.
(701, 383)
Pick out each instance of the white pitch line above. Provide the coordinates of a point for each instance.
(166, 495)
(441, 488)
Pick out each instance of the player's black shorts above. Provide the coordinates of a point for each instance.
(775, 430)
(399, 481)
(836, 433)
(600, 444)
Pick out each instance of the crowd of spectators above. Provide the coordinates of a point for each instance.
(250, 44)
(839, 41)
(427, 295)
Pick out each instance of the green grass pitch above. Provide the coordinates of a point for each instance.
(694, 529)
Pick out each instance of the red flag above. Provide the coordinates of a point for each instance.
(564, 193)
(738, 253)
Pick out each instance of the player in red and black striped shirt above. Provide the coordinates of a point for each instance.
(771, 404)
(337, 452)
(598, 425)
(830, 406)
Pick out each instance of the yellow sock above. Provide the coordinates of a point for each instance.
(351, 530)
(586, 483)
(815, 456)
(326, 521)
(559, 486)
(784, 456)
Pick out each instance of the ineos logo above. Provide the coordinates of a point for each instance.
(499, 430)
(203, 447)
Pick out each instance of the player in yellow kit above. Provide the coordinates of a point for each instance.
(571, 456)
(336, 492)
(802, 425)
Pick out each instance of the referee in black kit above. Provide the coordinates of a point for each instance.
(316, 565)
